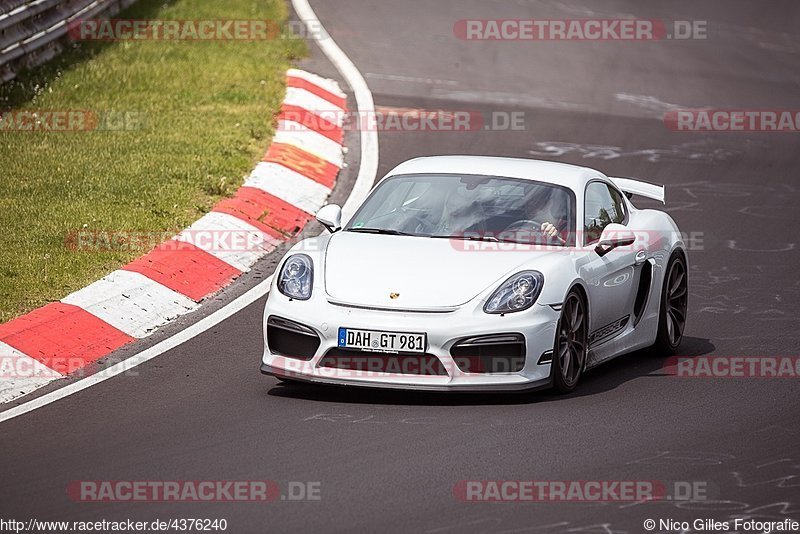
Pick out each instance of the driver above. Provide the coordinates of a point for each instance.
(554, 215)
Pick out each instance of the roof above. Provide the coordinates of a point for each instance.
(572, 176)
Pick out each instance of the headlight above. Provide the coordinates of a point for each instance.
(516, 294)
(296, 277)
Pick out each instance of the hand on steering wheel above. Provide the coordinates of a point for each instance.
(546, 229)
(550, 231)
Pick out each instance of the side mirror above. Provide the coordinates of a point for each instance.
(614, 235)
(330, 217)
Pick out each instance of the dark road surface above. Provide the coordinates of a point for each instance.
(388, 461)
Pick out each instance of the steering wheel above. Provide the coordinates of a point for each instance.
(536, 226)
(521, 223)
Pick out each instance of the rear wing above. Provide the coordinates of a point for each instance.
(644, 189)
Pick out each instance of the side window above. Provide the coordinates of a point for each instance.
(604, 206)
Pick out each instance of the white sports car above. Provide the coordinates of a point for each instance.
(478, 273)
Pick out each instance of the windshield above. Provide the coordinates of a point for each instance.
(468, 207)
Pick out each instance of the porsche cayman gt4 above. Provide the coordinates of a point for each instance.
(478, 273)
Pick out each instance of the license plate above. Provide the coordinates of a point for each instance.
(378, 340)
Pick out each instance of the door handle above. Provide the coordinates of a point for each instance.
(640, 258)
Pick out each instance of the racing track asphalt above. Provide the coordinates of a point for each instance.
(388, 461)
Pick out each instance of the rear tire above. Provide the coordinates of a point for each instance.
(673, 307)
(572, 343)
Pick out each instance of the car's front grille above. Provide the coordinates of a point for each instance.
(496, 353)
(291, 339)
(379, 362)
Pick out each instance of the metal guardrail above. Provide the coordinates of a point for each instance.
(34, 31)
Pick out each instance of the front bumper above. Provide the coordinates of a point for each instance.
(313, 379)
(443, 329)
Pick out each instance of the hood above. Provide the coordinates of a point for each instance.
(426, 273)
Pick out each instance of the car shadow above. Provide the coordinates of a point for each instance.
(606, 377)
(642, 363)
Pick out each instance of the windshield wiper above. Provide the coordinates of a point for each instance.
(467, 237)
(490, 238)
(384, 231)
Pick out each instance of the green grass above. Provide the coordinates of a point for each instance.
(205, 110)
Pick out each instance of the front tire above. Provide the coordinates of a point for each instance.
(674, 303)
(571, 345)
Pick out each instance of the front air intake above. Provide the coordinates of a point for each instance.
(496, 353)
(291, 339)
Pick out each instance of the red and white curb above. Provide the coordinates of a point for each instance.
(280, 196)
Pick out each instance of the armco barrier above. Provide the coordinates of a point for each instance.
(34, 31)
